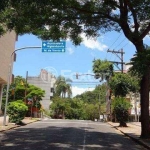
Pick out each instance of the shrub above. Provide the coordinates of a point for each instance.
(120, 108)
(16, 111)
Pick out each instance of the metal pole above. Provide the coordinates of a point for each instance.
(25, 94)
(122, 60)
(9, 77)
(7, 91)
(1, 96)
(99, 107)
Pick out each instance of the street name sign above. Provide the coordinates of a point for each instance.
(53, 46)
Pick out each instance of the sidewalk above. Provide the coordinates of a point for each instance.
(133, 131)
(9, 126)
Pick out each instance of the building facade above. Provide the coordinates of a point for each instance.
(7, 46)
(45, 81)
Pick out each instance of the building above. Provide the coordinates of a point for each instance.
(7, 46)
(45, 81)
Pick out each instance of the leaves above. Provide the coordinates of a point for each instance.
(140, 63)
(121, 107)
(102, 68)
(62, 87)
(121, 84)
(16, 111)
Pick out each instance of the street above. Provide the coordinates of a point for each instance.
(66, 134)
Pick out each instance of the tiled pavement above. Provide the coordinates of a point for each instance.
(133, 131)
(12, 125)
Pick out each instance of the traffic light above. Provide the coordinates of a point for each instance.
(97, 76)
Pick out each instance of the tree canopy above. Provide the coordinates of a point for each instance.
(121, 84)
(18, 88)
(55, 19)
(103, 69)
(62, 87)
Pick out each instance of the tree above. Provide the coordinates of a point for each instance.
(121, 84)
(17, 92)
(103, 69)
(16, 111)
(62, 87)
(121, 109)
(55, 19)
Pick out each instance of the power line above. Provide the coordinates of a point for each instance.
(113, 43)
(120, 43)
(115, 40)
(125, 45)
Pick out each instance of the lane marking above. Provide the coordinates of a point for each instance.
(84, 139)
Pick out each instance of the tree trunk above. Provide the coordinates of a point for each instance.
(144, 91)
(122, 124)
(145, 105)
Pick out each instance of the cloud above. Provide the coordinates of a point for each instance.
(70, 50)
(93, 43)
(77, 90)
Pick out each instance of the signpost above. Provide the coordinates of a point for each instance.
(53, 46)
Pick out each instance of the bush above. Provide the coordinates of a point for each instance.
(16, 111)
(120, 108)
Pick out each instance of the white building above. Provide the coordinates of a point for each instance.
(46, 82)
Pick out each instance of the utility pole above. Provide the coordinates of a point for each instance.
(25, 93)
(119, 56)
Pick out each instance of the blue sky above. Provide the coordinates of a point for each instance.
(76, 59)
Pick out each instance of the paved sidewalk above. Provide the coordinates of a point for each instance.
(133, 131)
(9, 126)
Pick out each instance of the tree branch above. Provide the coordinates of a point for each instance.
(145, 32)
(124, 20)
(136, 25)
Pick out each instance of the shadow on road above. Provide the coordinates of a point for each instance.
(59, 138)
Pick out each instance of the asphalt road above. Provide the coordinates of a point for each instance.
(66, 135)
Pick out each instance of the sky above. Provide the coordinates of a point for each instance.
(76, 59)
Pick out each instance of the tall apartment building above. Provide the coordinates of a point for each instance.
(46, 82)
(7, 46)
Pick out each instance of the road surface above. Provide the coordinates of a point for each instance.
(66, 135)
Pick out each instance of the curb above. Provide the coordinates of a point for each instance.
(16, 126)
(133, 138)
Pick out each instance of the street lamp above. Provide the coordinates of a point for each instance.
(9, 78)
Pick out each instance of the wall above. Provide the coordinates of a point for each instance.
(7, 46)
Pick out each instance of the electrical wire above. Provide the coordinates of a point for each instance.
(120, 43)
(113, 44)
(125, 45)
(116, 40)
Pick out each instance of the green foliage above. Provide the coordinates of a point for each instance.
(139, 63)
(19, 87)
(121, 84)
(85, 106)
(16, 111)
(62, 87)
(103, 69)
(98, 95)
(96, 16)
(121, 107)
(35, 92)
